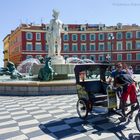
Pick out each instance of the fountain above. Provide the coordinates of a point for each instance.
(53, 37)
(36, 80)
(26, 65)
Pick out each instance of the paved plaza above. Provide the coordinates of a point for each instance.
(55, 117)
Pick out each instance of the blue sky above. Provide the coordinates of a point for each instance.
(109, 12)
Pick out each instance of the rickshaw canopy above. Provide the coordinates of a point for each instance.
(101, 67)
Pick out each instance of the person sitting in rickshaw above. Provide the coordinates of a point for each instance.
(128, 89)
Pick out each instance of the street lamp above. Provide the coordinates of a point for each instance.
(111, 37)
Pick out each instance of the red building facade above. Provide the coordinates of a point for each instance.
(120, 43)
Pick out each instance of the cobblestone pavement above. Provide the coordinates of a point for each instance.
(55, 117)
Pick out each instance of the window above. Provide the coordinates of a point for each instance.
(83, 48)
(83, 28)
(137, 67)
(101, 36)
(92, 47)
(74, 48)
(74, 37)
(128, 35)
(29, 47)
(66, 48)
(119, 45)
(129, 57)
(119, 36)
(29, 36)
(109, 46)
(83, 57)
(65, 27)
(101, 58)
(83, 37)
(38, 47)
(119, 57)
(93, 57)
(138, 56)
(138, 34)
(92, 37)
(101, 47)
(38, 36)
(128, 45)
(29, 56)
(137, 45)
(65, 37)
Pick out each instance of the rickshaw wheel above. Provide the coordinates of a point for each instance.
(82, 108)
(137, 120)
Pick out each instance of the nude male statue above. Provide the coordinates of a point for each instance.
(54, 35)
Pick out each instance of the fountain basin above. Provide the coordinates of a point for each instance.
(36, 88)
(58, 68)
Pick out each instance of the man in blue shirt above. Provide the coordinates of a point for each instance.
(119, 70)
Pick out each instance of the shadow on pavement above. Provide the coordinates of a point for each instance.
(66, 127)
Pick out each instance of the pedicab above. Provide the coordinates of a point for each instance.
(95, 93)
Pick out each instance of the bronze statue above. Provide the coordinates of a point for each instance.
(12, 71)
(46, 73)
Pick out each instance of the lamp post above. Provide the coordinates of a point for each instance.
(111, 37)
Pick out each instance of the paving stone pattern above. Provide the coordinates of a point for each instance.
(55, 118)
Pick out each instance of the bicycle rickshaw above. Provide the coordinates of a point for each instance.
(95, 94)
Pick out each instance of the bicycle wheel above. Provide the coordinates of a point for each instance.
(82, 108)
(137, 120)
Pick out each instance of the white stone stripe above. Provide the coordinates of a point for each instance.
(56, 111)
(7, 122)
(19, 112)
(63, 115)
(12, 109)
(10, 106)
(104, 134)
(5, 117)
(42, 116)
(19, 137)
(76, 136)
(21, 117)
(4, 112)
(29, 105)
(43, 137)
(27, 122)
(38, 111)
(29, 130)
(24, 103)
(7, 130)
(31, 108)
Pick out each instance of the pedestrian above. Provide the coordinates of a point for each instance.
(131, 72)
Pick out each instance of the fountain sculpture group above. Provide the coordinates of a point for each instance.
(54, 63)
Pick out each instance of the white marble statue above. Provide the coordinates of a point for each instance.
(54, 35)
